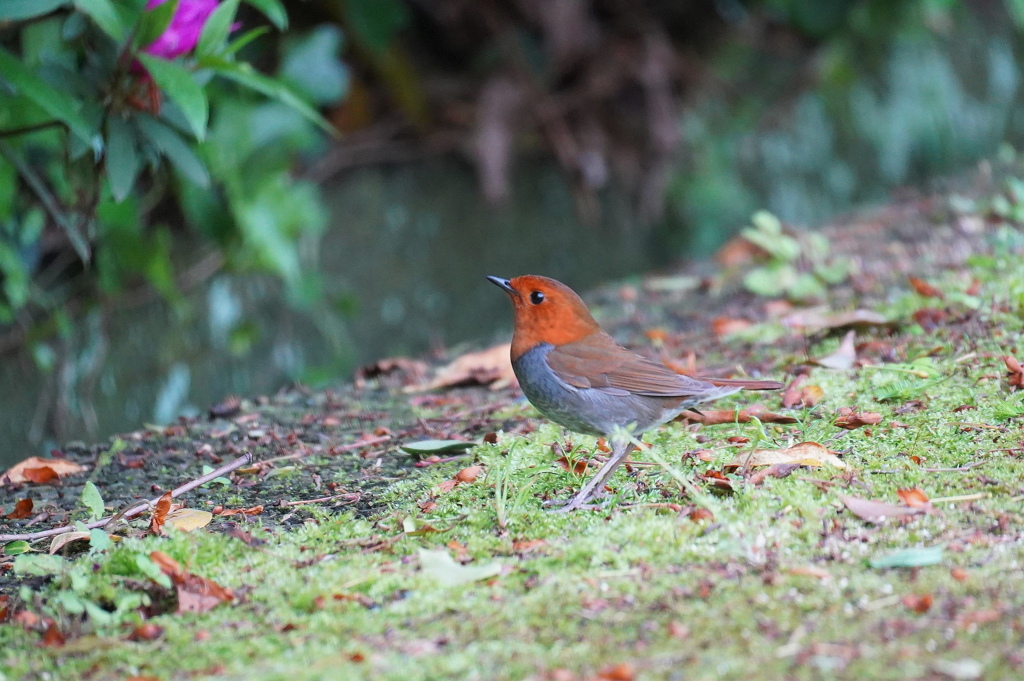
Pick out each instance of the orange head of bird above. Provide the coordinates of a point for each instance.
(546, 311)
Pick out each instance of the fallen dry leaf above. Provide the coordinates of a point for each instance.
(724, 326)
(147, 631)
(914, 497)
(714, 417)
(469, 474)
(39, 470)
(876, 511)
(848, 419)
(918, 603)
(160, 511)
(811, 395)
(929, 318)
(446, 486)
(776, 470)
(959, 574)
(52, 637)
(791, 395)
(485, 367)
(817, 320)
(252, 510)
(700, 515)
(923, 288)
(195, 594)
(408, 371)
(526, 545)
(577, 466)
(22, 509)
(717, 480)
(187, 519)
(844, 357)
(1015, 375)
(801, 454)
(617, 672)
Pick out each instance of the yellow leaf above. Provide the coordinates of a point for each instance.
(804, 453)
(188, 519)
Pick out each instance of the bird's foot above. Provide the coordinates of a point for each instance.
(578, 502)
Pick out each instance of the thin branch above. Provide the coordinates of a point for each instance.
(137, 509)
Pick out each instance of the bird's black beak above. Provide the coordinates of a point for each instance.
(504, 284)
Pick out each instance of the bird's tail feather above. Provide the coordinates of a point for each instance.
(744, 383)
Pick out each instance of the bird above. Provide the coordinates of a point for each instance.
(578, 376)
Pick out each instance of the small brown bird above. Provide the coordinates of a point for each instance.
(577, 375)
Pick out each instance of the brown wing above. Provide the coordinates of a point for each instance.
(599, 362)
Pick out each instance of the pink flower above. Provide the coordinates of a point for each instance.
(183, 32)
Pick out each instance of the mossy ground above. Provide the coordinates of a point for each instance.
(777, 584)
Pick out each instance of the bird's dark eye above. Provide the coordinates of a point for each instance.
(536, 297)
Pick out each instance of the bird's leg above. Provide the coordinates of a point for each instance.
(596, 484)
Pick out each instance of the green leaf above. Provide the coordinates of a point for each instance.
(217, 27)
(175, 149)
(92, 500)
(440, 567)
(312, 66)
(15, 10)
(376, 22)
(38, 565)
(54, 102)
(909, 558)
(273, 10)
(122, 158)
(154, 22)
(179, 85)
(16, 548)
(244, 74)
(244, 39)
(152, 570)
(769, 281)
(99, 540)
(437, 446)
(107, 17)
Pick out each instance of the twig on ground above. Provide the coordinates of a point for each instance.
(137, 509)
(353, 497)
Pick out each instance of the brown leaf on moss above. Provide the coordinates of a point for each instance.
(914, 497)
(22, 509)
(485, 367)
(776, 470)
(39, 470)
(701, 515)
(577, 466)
(930, 318)
(52, 637)
(919, 603)
(617, 672)
(791, 394)
(159, 515)
(469, 474)
(147, 631)
(717, 480)
(195, 594)
(848, 419)
(876, 511)
(714, 417)
(923, 288)
(1014, 373)
(724, 326)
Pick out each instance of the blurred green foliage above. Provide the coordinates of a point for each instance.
(104, 148)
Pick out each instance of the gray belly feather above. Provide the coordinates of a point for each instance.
(588, 410)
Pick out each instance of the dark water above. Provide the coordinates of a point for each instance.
(409, 246)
